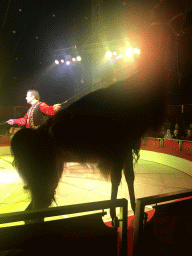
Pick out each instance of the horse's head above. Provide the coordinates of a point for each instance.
(160, 52)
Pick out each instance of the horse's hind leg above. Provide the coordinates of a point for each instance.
(115, 180)
(40, 199)
(130, 176)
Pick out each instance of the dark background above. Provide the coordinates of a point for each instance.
(34, 31)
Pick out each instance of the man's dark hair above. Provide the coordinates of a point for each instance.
(35, 94)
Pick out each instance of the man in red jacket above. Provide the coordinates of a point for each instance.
(37, 113)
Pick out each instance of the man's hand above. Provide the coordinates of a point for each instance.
(10, 121)
(56, 107)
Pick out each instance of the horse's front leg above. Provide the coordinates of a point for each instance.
(115, 180)
(130, 177)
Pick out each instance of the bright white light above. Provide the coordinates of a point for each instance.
(108, 54)
(67, 62)
(114, 53)
(120, 55)
(56, 62)
(137, 51)
(78, 58)
(73, 59)
(62, 61)
(8, 177)
(129, 51)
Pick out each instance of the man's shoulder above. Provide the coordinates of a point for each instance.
(42, 103)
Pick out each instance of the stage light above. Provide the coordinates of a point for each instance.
(56, 62)
(78, 58)
(137, 51)
(67, 62)
(9, 177)
(62, 61)
(129, 52)
(73, 59)
(108, 54)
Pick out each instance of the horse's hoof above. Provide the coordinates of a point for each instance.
(115, 222)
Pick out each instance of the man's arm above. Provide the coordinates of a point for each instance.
(20, 121)
(49, 110)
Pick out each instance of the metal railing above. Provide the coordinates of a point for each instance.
(6, 232)
(140, 213)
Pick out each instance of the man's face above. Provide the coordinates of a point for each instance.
(29, 97)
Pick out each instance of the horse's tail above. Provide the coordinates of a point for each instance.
(22, 147)
(34, 158)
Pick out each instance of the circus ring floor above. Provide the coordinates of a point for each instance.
(81, 185)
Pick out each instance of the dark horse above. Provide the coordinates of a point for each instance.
(103, 127)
